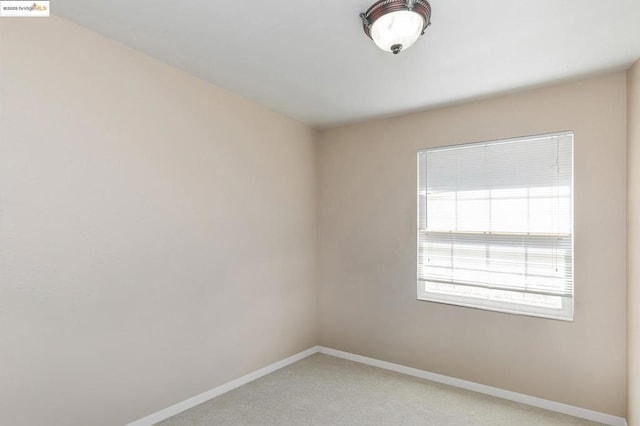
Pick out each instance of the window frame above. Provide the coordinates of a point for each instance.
(567, 311)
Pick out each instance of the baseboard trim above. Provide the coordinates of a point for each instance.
(219, 390)
(533, 401)
(476, 387)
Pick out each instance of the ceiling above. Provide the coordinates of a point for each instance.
(311, 60)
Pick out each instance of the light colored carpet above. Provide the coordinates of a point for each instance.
(324, 390)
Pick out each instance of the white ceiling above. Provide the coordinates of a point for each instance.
(311, 60)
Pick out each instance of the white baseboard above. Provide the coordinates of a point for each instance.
(219, 390)
(459, 383)
(487, 390)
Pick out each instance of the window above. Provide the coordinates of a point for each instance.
(495, 225)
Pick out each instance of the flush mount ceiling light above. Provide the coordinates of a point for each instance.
(395, 25)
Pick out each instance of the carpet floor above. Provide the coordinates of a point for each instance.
(324, 390)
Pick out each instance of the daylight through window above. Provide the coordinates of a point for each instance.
(495, 225)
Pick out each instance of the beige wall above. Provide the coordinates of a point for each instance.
(633, 241)
(367, 250)
(157, 234)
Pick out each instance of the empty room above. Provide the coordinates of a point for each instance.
(362, 212)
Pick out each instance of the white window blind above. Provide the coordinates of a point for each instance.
(495, 225)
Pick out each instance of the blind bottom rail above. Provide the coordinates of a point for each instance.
(497, 287)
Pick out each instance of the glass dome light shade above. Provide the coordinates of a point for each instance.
(401, 28)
